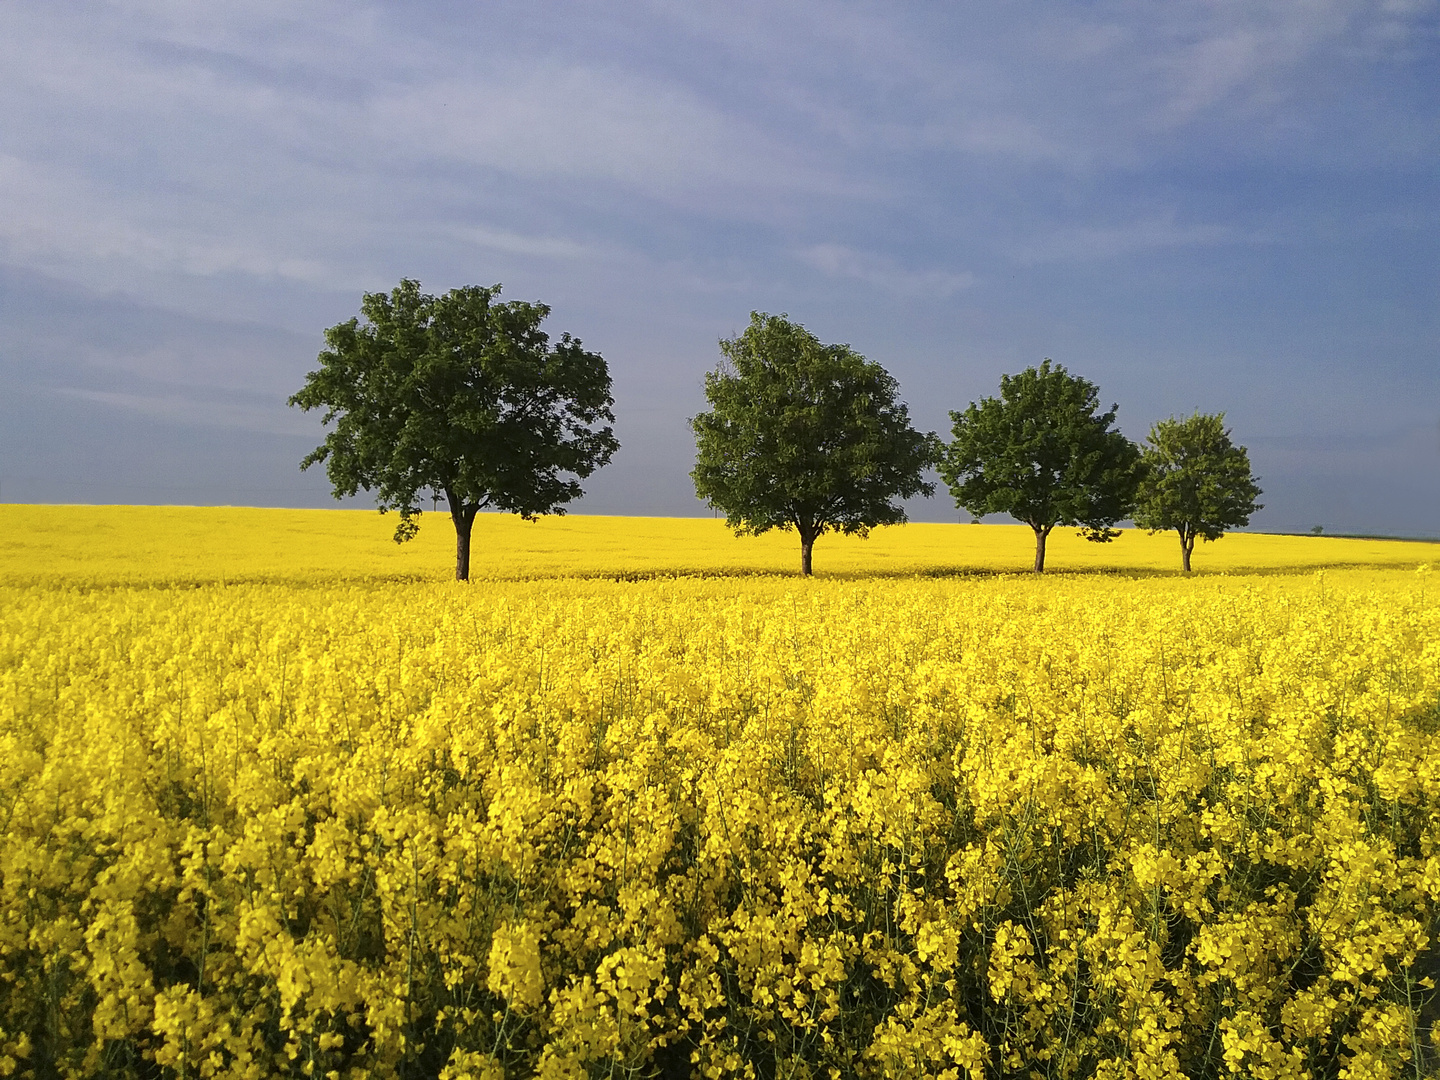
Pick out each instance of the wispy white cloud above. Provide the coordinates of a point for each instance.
(1205, 55)
(1086, 242)
(536, 247)
(57, 220)
(1238, 55)
(838, 261)
(270, 418)
(599, 125)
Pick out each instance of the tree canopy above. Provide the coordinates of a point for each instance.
(1043, 453)
(805, 435)
(461, 396)
(1196, 481)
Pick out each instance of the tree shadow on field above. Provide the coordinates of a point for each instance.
(186, 584)
(498, 576)
(741, 573)
(945, 572)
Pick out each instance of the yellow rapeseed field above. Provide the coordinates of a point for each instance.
(281, 800)
(147, 545)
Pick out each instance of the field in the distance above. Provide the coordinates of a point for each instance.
(113, 544)
(282, 799)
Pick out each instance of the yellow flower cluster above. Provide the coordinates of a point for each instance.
(960, 827)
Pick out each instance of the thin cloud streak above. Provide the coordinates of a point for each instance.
(535, 247)
(838, 261)
(259, 417)
(60, 223)
(605, 126)
(1082, 243)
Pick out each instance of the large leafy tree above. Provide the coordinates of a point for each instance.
(805, 436)
(461, 396)
(1043, 453)
(1196, 481)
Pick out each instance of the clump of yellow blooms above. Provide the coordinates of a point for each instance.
(729, 826)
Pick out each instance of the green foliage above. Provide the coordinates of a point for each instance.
(462, 396)
(806, 436)
(1196, 481)
(1041, 453)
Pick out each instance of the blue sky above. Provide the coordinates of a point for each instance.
(1215, 205)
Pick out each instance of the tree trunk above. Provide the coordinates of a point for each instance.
(464, 518)
(1187, 545)
(807, 543)
(463, 525)
(1042, 533)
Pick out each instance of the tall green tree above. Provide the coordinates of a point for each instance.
(805, 436)
(1196, 481)
(1043, 453)
(464, 397)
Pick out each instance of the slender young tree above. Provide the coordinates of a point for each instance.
(1196, 481)
(462, 396)
(805, 436)
(1043, 453)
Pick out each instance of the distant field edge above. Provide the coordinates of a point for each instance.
(87, 544)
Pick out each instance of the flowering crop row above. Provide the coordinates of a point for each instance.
(124, 545)
(958, 828)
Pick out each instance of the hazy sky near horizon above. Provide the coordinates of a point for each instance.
(1197, 204)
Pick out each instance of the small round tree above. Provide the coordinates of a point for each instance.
(1043, 453)
(462, 396)
(1196, 481)
(805, 436)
